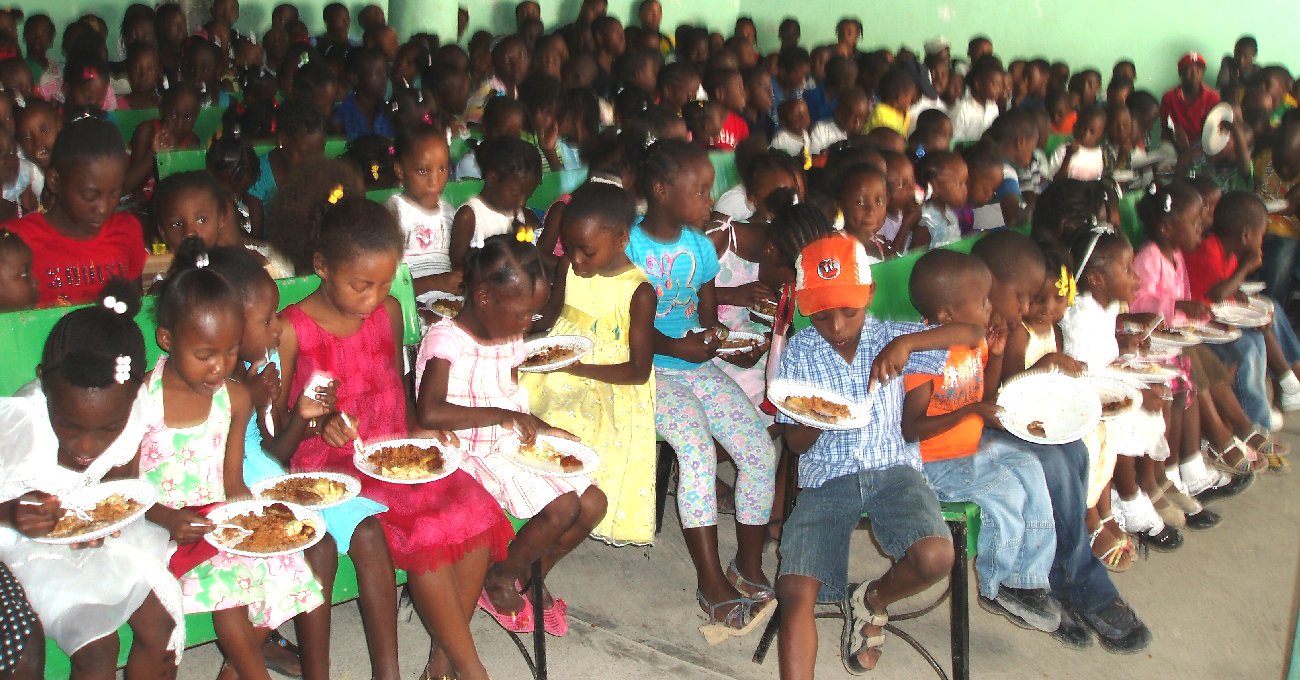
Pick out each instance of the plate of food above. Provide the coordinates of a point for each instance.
(738, 342)
(1141, 371)
(764, 311)
(554, 352)
(1176, 336)
(1251, 288)
(1277, 205)
(314, 490)
(407, 461)
(440, 303)
(1239, 315)
(264, 528)
(551, 456)
(1048, 407)
(1123, 176)
(817, 407)
(96, 511)
(1118, 397)
(1213, 335)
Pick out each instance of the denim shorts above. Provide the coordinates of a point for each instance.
(815, 539)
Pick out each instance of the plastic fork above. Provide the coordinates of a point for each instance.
(77, 510)
(356, 443)
(223, 525)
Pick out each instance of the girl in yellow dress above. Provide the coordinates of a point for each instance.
(608, 398)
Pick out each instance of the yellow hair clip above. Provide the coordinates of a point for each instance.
(374, 171)
(1066, 286)
(336, 194)
(524, 234)
(807, 158)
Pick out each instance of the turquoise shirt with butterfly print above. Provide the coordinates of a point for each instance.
(676, 270)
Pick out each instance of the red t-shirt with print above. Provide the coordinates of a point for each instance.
(73, 271)
(734, 131)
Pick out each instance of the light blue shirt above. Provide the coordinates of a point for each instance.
(677, 271)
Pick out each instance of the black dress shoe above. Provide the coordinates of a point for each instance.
(1205, 519)
(1118, 628)
(1071, 633)
(1238, 484)
(1168, 540)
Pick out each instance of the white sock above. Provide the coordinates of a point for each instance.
(1175, 477)
(1289, 383)
(1195, 475)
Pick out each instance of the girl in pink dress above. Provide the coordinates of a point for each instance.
(442, 533)
(465, 376)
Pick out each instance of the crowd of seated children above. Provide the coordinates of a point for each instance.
(847, 158)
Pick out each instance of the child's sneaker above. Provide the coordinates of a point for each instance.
(1025, 607)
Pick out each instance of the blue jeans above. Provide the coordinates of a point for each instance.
(1017, 539)
(1251, 383)
(1078, 578)
(1280, 254)
(1285, 335)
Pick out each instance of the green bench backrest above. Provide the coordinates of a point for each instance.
(725, 174)
(1054, 141)
(187, 160)
(27, 330)
(1128, 219)
(206, 125)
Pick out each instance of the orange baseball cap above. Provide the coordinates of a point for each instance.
(831, 272)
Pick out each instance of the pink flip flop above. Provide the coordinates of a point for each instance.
(556, 619)
(520, 622)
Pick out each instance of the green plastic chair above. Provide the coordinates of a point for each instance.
(1054, 141)
(206, 125)
(725, 174)
(1128, 219)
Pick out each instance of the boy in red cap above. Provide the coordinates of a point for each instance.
(844, 473)
(1189, 103)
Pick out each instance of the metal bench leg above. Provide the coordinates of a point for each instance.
(539, 630)
(960, 605)
(769, 633)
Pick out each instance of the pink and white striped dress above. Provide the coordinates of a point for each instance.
(482, 375)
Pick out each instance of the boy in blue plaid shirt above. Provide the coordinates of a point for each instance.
(844, 473)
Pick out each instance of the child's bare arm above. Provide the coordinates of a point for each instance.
(889, 363)
(142, 160)
(462, 234)
(708, 305)
(434, 412)
(800, 438)
(291, 420)
(241, 408)
(636, 370)
(555, 303)
(1013, 357)
(551, 233)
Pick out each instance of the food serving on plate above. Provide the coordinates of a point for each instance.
(543, 455)
(740, 343)
(1115, 405)
(766, 308)
(407, 461)
(276, 529)
(818, 408)
(446, 306)
(1036, 428)
(1178, 334)
(112, 509)
(550, 355)
(307, 491)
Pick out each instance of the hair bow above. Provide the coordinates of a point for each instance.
(524, 234)
(1066, 286)
(88, 73)
(336, 194)
(113, 304)
(201, 261)
(427, 118)
(374, 172)
(122, 369)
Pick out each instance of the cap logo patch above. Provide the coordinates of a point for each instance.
(828, 268)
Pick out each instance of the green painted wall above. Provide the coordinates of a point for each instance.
(1094, 33)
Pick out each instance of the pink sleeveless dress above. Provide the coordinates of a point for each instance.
(427, 525)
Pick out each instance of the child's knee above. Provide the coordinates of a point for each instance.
(797, 593)
(97, 655)
(367, 537)
(931, 557)
(594, 505)
(563, 510)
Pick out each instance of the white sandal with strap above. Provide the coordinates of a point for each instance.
(858, 615)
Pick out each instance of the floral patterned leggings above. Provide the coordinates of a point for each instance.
(692, 408)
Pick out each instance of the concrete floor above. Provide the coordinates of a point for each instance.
(1223, 606)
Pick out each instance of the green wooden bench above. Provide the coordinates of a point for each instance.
(206, 125)
(187, 160)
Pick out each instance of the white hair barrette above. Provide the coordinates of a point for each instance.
(122, 369)
(115, 305)
(201, 261)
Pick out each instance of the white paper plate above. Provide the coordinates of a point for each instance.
(86, 498)
(509, 447)
(450, 460)
(1251, 287)
(1214, 139)
(1123, 176)
(1152, 373)
(1109, 389)
(229, 510)
(352, 483)
(740, 335)
(1239, 315)
(426, 300)
(761, 316)
(1277, 205)
(576, 342)
(1185, 339)
(1212, 335)
(1261, 304)
(1067, 408)
(780, 390)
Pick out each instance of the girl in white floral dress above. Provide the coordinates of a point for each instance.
(191, 410)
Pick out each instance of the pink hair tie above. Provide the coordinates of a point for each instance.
(88, 73)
